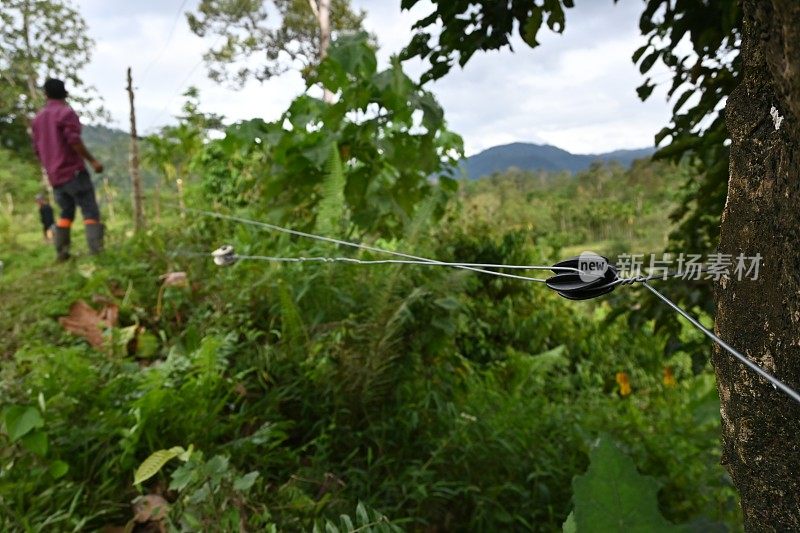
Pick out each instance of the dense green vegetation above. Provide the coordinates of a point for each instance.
(437, 397)
(282, 396)
(289, 396)
(607, 209)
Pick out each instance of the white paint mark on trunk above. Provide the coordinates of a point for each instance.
(777, 119)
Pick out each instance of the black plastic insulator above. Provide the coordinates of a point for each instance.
(583, 285)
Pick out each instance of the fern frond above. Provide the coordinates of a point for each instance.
(331, 210)
(293, 331)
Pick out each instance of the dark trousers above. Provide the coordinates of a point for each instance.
(78, 192)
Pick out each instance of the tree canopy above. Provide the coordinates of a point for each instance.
(38, 40)
(252, 48)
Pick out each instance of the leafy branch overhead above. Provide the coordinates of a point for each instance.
(702, 79)
(249, 46)
(468, 27)
(703, 76)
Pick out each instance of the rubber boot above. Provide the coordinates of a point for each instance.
(61, 239)
(94, 238)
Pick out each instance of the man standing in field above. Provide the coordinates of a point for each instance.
(58, 145)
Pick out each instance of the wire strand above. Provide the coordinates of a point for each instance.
(355, 261)
(479, 267)
(375, 249)
(727, 347)
(171, 34)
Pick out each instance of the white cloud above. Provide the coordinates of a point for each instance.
(577, 90)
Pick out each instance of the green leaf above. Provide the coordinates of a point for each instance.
(244, 483)
(217, 466)
(661, 135)
(613, 496)
(555, 16)
(433, 114)
(448, 303)
(21, 420)
(639, 51)
(127, 334)
(182, 476)
(531, 28)
(35, 442)
(293, 330)
(648, 62)
(154, 463)
(186, 454)
(362, 515)
(58, 469)
(347, 523)
(645, 90)
(448, 184)
(332, 204)
(146, 345)
(569, 524)
(682, 100)
(354, 54)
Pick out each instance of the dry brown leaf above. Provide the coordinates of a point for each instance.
(88, 323)
(175, 279)
(240, 389)
(150, 508)
(110, 315)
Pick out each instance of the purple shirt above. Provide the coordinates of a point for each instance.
(55, 128)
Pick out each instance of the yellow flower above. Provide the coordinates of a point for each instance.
(624, 384)
(669, 377)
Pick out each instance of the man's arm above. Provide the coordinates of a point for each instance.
(71, 127)
(82, 151)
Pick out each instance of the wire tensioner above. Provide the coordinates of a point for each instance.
(224, 256)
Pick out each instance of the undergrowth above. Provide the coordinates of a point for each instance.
(440, 399)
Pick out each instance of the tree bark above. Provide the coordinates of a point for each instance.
(33, 92)
(324, 27)
(322, 10)
(136, 178)
(760, 425)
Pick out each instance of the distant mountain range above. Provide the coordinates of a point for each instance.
(110, 146)
(536, 157)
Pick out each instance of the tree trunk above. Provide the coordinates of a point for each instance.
(33, 92)
(136, 178)
(760, 425)
(324, 27)
(322, 10)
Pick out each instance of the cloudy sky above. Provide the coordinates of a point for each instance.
(576, 91)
